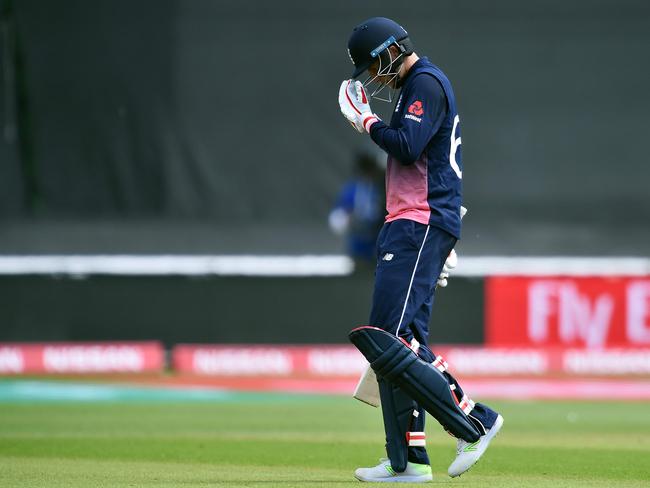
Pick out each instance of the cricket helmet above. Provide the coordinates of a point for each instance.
(371, 39)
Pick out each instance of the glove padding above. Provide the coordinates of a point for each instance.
(354, 105)
(450, 263)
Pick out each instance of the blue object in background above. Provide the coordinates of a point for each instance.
(359, 210)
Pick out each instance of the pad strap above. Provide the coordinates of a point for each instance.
(466, 404)
(416, 439)
(440, 364)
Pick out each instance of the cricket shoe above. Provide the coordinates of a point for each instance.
(383, 472)
(468, 453)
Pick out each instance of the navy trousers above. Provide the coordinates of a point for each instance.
(410, 257)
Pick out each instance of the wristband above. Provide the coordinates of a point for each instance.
(368, 120)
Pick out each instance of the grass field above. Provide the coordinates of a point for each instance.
(268, 440)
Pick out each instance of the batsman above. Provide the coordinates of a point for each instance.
(414, 252)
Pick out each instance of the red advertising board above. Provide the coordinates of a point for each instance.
(309, 361)
(107, 357)
(346, 361)
(576, 312)
(267, 360)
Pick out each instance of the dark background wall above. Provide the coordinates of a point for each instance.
(204, 126)
(224, 112)
(214, 310)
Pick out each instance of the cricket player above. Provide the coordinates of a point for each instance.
(423, 203)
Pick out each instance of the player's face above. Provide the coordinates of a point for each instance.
(386, 79)
(383, 79)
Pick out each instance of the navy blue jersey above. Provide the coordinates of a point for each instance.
(424, 172)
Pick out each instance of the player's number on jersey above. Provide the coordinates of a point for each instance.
(453, 147)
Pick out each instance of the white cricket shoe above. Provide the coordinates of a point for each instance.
(467, 454)
(383, 472)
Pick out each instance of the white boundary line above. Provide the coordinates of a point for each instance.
(185, 265)
(305, 265)
(552, 266)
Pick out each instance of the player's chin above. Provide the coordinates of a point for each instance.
(390, 82)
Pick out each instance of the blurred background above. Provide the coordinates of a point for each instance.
(168, 172)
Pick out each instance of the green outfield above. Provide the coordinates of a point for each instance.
(269, 440)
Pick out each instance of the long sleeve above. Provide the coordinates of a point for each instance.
(423, 111)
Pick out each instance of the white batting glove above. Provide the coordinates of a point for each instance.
(347, 107)
(450, 263)
(362, 105)
(354, 105)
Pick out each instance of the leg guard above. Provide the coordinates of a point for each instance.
(404, 427)
(397, 410)
(393, 360)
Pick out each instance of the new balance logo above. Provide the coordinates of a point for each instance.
(387, 257)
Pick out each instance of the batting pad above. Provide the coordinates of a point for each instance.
(391, 358)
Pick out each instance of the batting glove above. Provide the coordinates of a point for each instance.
(452, 260)
(450, 264)
(354, 105)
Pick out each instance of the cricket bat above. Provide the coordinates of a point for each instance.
(367, 390)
